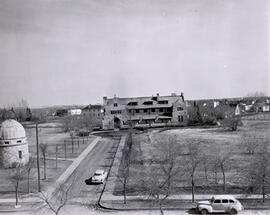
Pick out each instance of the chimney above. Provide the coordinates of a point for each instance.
(182, 95)
(157, 94)
(104, 100)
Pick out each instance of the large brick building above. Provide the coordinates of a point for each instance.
(153, 111)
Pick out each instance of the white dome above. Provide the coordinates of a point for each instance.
(11, 129)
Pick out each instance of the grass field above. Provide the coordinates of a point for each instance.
(212, 143)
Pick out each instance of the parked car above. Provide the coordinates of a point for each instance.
(220, 203)
(99, 176)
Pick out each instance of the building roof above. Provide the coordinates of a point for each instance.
(11, 129)
(140, 101)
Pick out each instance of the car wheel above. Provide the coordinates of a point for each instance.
(232, 211)
(204, 211)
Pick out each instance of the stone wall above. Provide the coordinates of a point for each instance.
(9, 155)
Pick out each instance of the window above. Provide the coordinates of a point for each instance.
(19, 141)
(115, 104)
(217, 201)
(153, 109)
(116, 112)
(163, 102)
(137, 111)
(20, 154)
(231, 201)
(148, 103)
(161, 110)
(145, 110)
(6, 142)
(180, 108)
(132, 103)
(180, 118)
(225, 201)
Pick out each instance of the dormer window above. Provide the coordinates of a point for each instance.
(115, 105)
(163, 102)
(148, 103)
(132, 103)
(6, 142)
(19, 141)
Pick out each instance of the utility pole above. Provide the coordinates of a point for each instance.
(65, 149)
(56, 156)
(38, 158)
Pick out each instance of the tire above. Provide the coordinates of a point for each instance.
(204, 211)
(232, 211)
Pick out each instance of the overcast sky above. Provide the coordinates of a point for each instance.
(76, 52)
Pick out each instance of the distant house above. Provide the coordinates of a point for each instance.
(94, 111)
(60, 112)
(74, 112)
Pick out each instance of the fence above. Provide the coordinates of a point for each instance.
(259, 116)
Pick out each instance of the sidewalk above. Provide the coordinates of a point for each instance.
(7, 205)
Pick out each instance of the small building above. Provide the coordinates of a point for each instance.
(60, 112)
(151, 111)
(74, 112)
(93, 111)
(13, 144)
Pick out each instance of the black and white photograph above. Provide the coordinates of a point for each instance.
(138, 107)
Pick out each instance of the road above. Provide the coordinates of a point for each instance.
(99, 158)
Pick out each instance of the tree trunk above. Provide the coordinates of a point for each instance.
(56, 157)
(216, 181)
(192, 187)
(72, 145)
(44, 165)
(65, 149)
(160, 208)
(28, 181)
(16, 192)
(125, 196)
(224, 179)
(263, 187)
(205, 173)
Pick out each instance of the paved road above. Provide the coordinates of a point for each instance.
(84, 210)
(99, 158)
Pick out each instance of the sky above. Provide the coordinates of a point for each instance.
(64, 52)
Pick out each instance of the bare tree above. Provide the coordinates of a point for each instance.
(192, 162)
(223, 160)
(28, 167)
(123, 174)
(250, 142)
(43, 148)
(231, 122)
(59, 198)
(259, 172)
(256, 94)
(166, 167)
(17, 174)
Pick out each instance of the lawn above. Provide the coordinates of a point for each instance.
(211, 143)
(51, 134)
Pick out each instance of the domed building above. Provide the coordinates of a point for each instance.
(13, 144)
